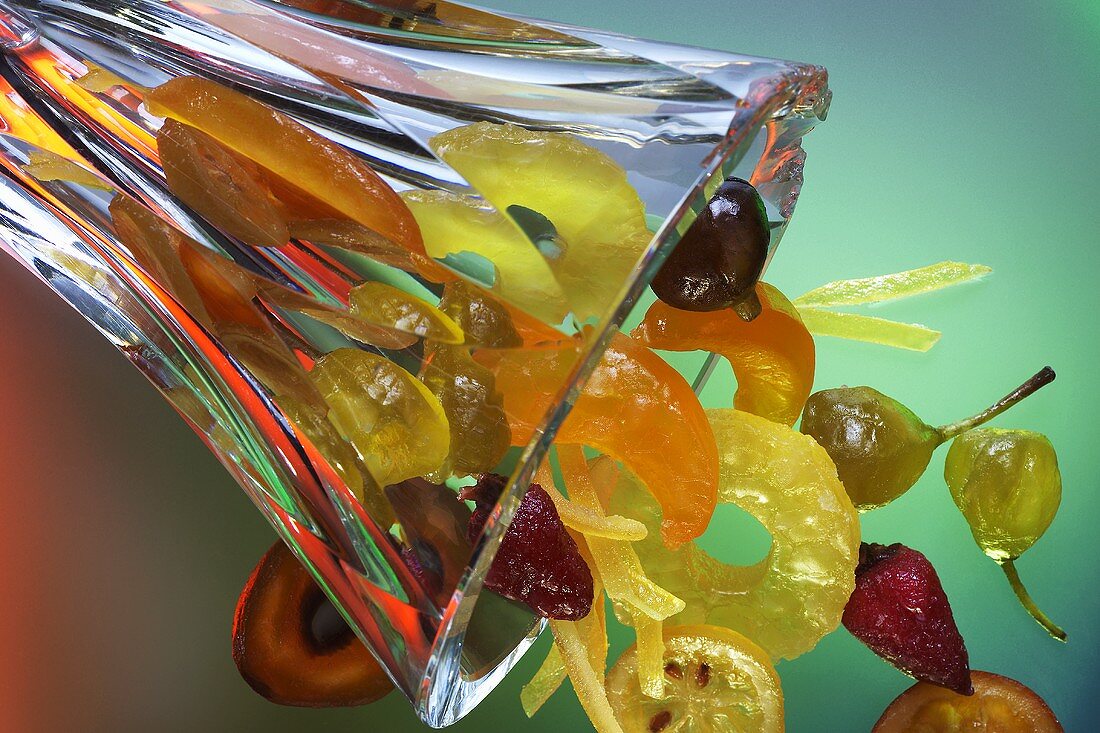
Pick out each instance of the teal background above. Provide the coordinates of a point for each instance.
(958, 131)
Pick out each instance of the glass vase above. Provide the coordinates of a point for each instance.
(382, 80)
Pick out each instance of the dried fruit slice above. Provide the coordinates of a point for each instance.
(309, 174)
(788, 601)
(715, 681)
(452, 224)
(636, 409)
(998, 705)
(395, 424)
(772, 355)
(596, 218)
(226, 189)
(292, 646)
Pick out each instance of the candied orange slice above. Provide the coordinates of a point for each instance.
(772, 355)
(998, 705)
(636, 409)
(788, 601)
(715, 681)
(227, 190)
(597, 218)
(309, 174)
(395, 424)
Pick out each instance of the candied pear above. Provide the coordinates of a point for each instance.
(879, 445)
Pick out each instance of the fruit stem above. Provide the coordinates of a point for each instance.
(1029, 605)
(1041, 378)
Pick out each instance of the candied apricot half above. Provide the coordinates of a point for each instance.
(292, 647)
(998, 705)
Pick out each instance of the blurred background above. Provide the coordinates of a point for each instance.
(958, 131)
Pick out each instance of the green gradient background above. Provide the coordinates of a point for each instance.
(958, 130)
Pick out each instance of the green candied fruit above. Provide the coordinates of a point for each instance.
(1007, 485)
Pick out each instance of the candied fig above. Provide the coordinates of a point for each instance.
(720, 257)
(292, 646)
(538, 563)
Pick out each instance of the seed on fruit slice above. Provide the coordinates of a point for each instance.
(998, 705)
(395, 424)
(597, 217)
(227, 190)
(715, 681)
(772, 355)
(451, 224)
(789, 600)
(291, 645)
(311, 176)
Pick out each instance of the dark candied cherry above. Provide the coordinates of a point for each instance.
(538, 563)
(721, 256)
(880, 446)
(899, 610)
(291, 645)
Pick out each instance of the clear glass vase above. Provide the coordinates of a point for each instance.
(383, 80)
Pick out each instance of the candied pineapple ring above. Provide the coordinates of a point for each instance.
(772, 355)
(395, 424)
(597, 218)
(312, 177)
(715, 681)
(998, 705)
(796, 595)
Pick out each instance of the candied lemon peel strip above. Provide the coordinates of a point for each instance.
(856, 327)
(879, 289)
(595, 524)
(587, 682)
(894, 286)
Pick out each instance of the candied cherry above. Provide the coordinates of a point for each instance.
(291, 645)
(719, 259)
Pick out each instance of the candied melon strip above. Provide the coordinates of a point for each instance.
(595, 524)
(616, 561)
(544, 684)
(855, 327)
(891, 287)
(587, 682)
(650, 641)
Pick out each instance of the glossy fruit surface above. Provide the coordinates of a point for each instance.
(998, 705)
(292, 646)
(484, 321)
(772, 355)
(900, 611)
(310, 175)
(475, 413)
(596, 215)
(1007, 485)
(538, 563)
(384, 305)
(715, 681)
(787, 602)
(879, 445)
(395, 424)
(228, 190)
(719, 259)
(635, 408)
